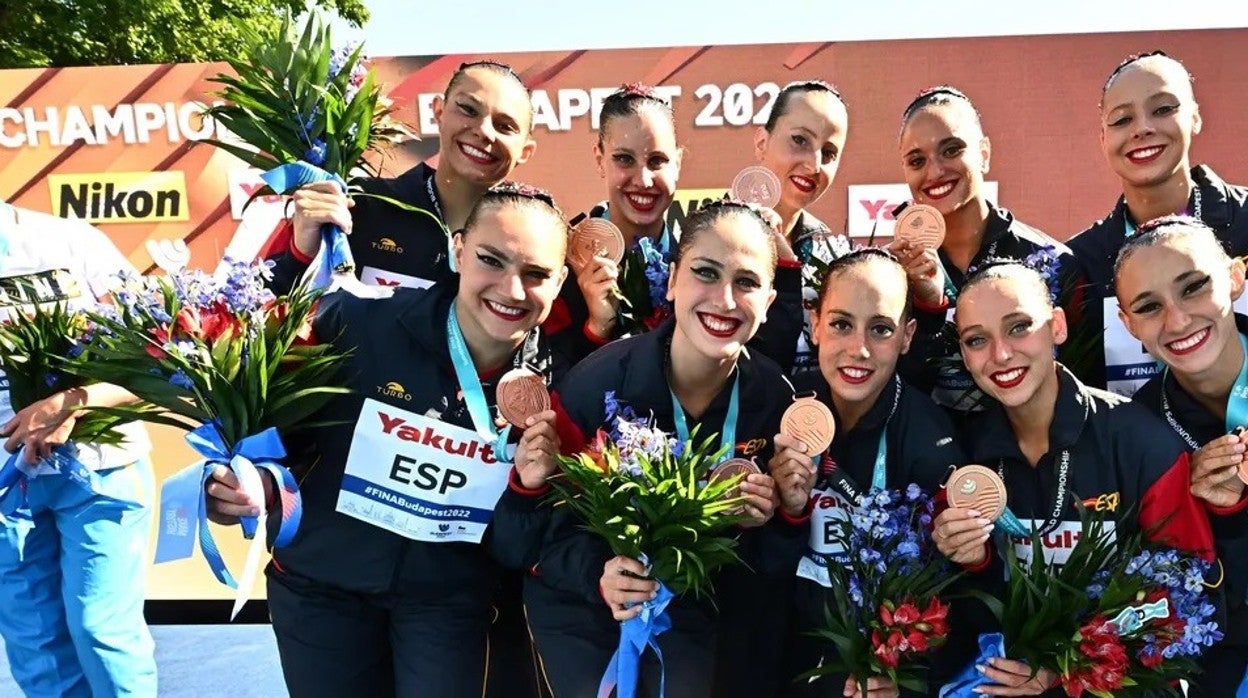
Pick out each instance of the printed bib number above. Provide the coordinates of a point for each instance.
(828, 509)
(420, 478)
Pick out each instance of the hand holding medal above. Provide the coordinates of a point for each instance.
(976, 498)
(521, 396)
(594, 237)
(917, 235)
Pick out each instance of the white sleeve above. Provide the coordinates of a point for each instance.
(99, 259)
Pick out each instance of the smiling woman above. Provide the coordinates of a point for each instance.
(409, 520)
(1176, 287)
(1149, 117)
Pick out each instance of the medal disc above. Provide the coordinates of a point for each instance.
(979, 488)
(922, 225)
(731, 468)
(521, 394)
(757, 185)
(809, 421)
(594, 237)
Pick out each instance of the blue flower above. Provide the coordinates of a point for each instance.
(316, 153)
(181, 380)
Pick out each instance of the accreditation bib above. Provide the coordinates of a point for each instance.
(827, 510)
(1056, 545)
(419, 477)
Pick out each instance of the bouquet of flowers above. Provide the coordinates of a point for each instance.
(306, 111)
(886, 613)
(1117, 618)
(649, 497)
(36, 347)
(642, 286)
(224, 359)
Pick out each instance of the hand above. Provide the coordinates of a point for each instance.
(226, 499)
(760, 499)
(43, 425)
(1014, 678)
(784, 249)
(923, 268)
(1215, 470)
(315, 205)
(960, 535)
(537, 452)
(793, 472)
(625, 588)
(598, 283)
(877, 687)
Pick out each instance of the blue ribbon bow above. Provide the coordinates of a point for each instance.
(990, 645)
(183, 493)
(636, 634)
(337, 258)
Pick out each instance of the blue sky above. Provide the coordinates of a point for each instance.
(421, 27)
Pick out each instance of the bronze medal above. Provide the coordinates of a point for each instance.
(591, 238)
(521, 394)
(809, 421)
(979, 488)
(921, 224)
(756, 185)
(731, 468)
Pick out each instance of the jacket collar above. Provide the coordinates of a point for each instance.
(1070, 415)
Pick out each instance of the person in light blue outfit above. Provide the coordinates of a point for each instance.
(73, 541)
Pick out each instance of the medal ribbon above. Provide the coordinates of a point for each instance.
(728, 437)
(1236, 402)
(1195, 211)
(437, 208)
(1010, 522)
(474, 395)
(842, 481)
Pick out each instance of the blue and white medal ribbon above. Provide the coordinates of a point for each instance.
(474, 394)
(728, 436)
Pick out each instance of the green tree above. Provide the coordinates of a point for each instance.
(57, 33)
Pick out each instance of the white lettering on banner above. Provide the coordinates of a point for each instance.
(1057, 544)
(420, 478)
(1128, 366)
(32, 127)
(827, 509)
(381, 277)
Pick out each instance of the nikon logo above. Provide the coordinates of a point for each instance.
(120, 197)
(387, 245)
(394, 389)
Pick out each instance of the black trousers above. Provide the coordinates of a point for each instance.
(575, 640)
(337, 643)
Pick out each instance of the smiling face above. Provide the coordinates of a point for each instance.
(510, 270)
(640, 162)
(945, 155)
(804, 145)
(484, 125)
(721, 286)
(1175, 297)
(861, 329)
(1148, 118)
(1007, 331)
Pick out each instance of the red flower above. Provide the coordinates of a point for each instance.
(934, 617)
(277, 314)
(160, 337)
(657, 317)
(906, 614)
(595, 448)
(887, 653)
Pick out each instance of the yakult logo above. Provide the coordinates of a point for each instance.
(429, 436)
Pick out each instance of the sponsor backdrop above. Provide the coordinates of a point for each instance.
(118, 145)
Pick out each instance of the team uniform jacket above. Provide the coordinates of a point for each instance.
(1122, 459)
(392, 246)
(776, 338)
(922, 449)
(563, 596)
(399, 356)
(1224, 207)
(934, 362)
(1230, 532)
